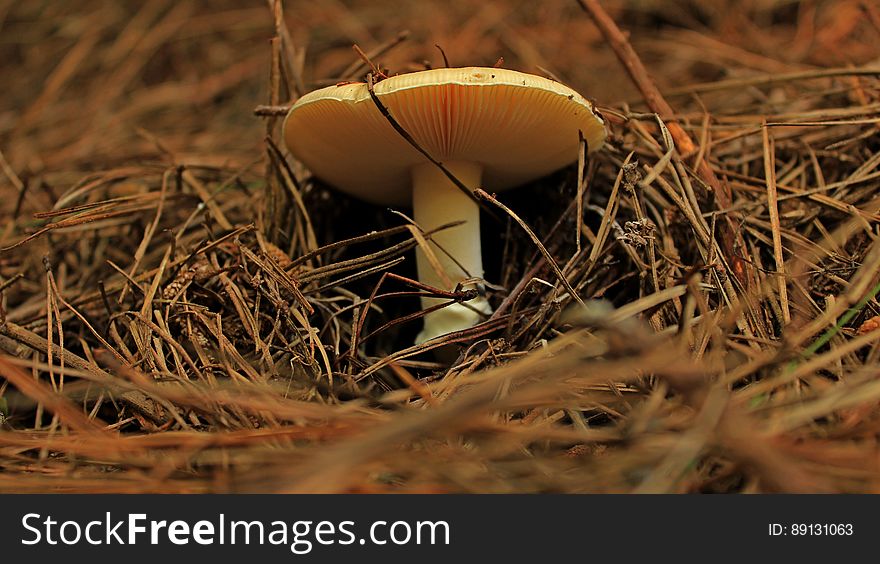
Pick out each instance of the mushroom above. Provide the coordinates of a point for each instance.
(491, 128)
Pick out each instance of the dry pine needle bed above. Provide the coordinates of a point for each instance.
(185, 309)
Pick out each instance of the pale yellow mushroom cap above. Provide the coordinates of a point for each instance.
(517, 126)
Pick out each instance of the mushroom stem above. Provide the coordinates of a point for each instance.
(437, 201)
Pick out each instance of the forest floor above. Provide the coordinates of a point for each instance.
(184, 309)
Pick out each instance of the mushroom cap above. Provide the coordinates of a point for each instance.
(517, 126)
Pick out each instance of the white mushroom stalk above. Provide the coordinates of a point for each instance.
(437, 202)
(491, 128)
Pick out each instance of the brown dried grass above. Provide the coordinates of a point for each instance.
(185, 310)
